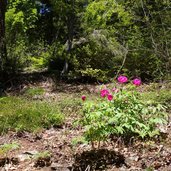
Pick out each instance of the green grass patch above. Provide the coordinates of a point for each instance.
(7, 148)
(70, 104)
(22, 114)
(162, 96)
(34, 91)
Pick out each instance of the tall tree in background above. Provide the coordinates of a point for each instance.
(70, 27)
(3, 51)
(86, 37)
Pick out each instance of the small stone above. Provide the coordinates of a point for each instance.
(34, 152)
(23, 157)
(59, 167)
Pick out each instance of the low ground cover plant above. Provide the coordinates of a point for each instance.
(21, 114)
(35, 91)
(5, 149)
(162, 96)
(122, 113)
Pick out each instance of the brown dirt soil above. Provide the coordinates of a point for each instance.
(64, 156)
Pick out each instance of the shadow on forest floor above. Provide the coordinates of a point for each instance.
(97, 160)
(28, 77)
(16, 83)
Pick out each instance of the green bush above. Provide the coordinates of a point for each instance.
(97, 57)
(25, 115)
(126, 115)
(39, 55)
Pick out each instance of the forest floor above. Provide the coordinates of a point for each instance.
(56, 148)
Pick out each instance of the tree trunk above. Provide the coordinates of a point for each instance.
(70, 28)
(3, 50)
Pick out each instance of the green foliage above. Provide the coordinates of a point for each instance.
(126, 115)
(6, 148)
(37, 62)
(106, 14)
(20, 16)
(57, 54)
(98, 45)
(43, 154)
(69, 105)
(100, 23)
(31, 92)
(140, 27)
(161, 96)
(17, 56)
(21, 114)
(150, 169)
(39, 54)
(105, 37)
(28, 57)
(78, 140)
(147, 39)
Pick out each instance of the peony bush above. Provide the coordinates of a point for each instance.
(121, 112)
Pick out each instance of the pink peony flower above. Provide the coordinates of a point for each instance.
(136, 82)
(104, 92)
(83, 98)
(122, 79)
(109, 97)
(115, 90)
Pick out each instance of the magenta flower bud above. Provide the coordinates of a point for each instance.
(109, 97)
(83, 98)
(104, 93)
(136, 82)
(122, 79)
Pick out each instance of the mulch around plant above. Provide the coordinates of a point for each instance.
(65, 156)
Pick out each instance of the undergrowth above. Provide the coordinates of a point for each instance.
(161, 96)
(24, 114)
(30, 92)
